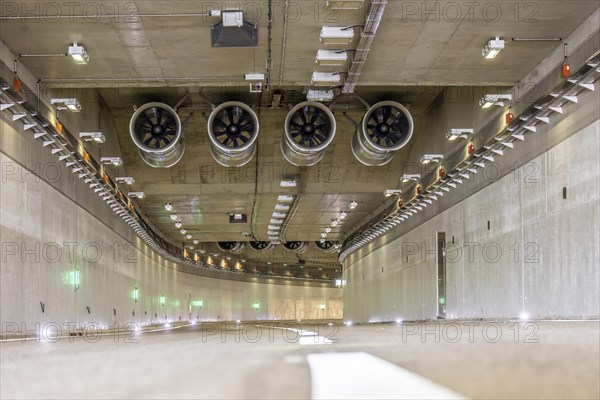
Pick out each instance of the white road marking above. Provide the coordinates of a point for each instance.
(363, 376)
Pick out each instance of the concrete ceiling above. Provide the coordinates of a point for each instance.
(415, 54)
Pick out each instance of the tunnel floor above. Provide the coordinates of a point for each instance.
(479, 359)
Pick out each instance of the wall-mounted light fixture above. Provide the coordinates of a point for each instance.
(97, 137)
(390, 192)
(72, 104)
(411, 177)
(459, 133)
(136, 195)
(114, 161)
(427, 158)
(494, 100)
(127, 180)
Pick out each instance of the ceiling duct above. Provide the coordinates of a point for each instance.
(296, 246)
(309, 129)
(231, 247)
(386, 128)
(156, 130)
(261, 246)
(233, 31)
(233, 129)
(326, 246)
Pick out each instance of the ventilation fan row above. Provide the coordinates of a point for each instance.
(293, 246)
(233, 129)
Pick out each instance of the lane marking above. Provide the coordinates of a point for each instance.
(363, 376)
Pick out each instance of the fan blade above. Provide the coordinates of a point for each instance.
(294, 123)
(159, 115)
(220, 123)
(230, 115)
(147, 142)
(305, 115)
(386, 112)
(320, 137)
(249, 127)
(316, 114)
(147, 119)
(243, 117)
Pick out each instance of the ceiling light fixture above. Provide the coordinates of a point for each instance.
(78, 53)
(188, 236)
(97, 137)
(336, 35)
(178, 224)
(319, 95)
(327, 230)
(174, 217)
(345, 4)
(331, 57)
(492, 48)
(494, 99)
(454, 134)
(427, 158)
(343, 215)
(183, 231)
(195, 241)
(325, 78)
(334, 222)
(72, 105)
(288, 183)
(323, 235)
(254, 76)
(285, 198)
(353, 204)
(168, 207)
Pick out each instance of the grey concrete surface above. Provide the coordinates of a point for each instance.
(538, 256)
(477, 359)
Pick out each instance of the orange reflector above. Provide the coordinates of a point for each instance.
(59, 127)
(442, 171)
(105, 178)
(509, 117)
(17, 85)
(471, 149)
(419, 189)
(86, 156)
(565, 70)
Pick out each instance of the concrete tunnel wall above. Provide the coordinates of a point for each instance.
(539, 257)
(46, 234)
